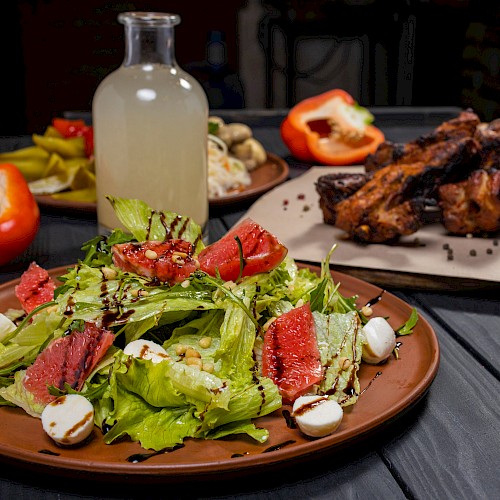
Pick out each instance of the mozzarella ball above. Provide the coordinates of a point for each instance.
(69, 419)
(380, 340)
(146, 349)
(317, 416)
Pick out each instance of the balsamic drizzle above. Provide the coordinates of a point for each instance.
(49, 452)
(376, 299)
(142, 457)
(377, 375)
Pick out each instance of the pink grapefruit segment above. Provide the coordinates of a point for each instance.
(69, 359)
(169, 261)
(262, 252)
(291, 358)
(35, 288)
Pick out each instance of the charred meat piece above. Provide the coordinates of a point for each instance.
(472, 206)
(433, 148)
(390, 202)
(378, 211)
(333, 188)
(488, 138)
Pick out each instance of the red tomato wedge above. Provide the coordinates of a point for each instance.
(290, 357)
(35, 288)
(69, 359)
(262, 252)
(169, 261)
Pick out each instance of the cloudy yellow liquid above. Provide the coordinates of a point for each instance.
(150, 126)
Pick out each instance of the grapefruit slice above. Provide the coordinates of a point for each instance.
(35, 288)
(69, 359)
(290, 357)
(169, 261)
(262, 252)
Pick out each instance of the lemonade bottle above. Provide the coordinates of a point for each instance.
(150, 123)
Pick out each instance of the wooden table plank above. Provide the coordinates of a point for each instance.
(335, 477)
(473, 320)
(451, 449)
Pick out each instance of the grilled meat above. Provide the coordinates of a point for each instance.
(455, 167)
(434, 148)
(390, 202)
(334, 188)
(488, 137)
(378, 211)
(472, 206)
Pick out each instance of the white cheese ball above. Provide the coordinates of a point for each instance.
(380, 340)
(317, 416)
(146, 349)
(69, 419)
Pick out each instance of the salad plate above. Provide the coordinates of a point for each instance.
(264, 178)
(387, 391)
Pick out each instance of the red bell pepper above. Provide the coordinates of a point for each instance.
(19, 213)
(330, 129)
(76, 128)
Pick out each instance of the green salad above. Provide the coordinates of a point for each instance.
(160, 404)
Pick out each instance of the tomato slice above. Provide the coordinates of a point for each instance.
(19, 213)
(262, 252)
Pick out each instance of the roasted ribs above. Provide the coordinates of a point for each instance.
(472, 206)
(434, 148)
(453, 168)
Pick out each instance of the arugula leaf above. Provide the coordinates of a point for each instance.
(98, 249)
(407, 328)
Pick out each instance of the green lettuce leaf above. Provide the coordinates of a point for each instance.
(340, 344)
(148, 224)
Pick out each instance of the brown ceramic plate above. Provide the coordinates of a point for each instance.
(268, 175)
(399, 386)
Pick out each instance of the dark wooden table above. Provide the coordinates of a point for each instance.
(447, 446)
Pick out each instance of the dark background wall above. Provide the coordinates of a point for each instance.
(55, 52)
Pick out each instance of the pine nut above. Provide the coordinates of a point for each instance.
(150, 254)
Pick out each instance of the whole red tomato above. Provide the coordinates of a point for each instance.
(19, 213)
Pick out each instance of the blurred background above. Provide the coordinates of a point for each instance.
(259, 54)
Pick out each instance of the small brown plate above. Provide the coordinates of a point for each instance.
(266, 176)
(386, 391)
(48, 202)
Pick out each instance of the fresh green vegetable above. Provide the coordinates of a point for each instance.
(161, 404)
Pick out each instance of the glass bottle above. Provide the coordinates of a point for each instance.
(150, 124)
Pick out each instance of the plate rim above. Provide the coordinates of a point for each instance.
(64, 466)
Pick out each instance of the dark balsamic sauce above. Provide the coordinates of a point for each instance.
(377, 375)
(279, 446)
(376, 299)
(239, 455)
(142, 457)
(49, 452)
(290, 421)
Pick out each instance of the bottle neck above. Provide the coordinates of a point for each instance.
(149, 37)
(148, 45)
